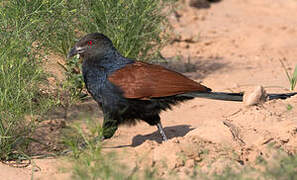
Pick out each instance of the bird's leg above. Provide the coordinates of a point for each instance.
(109, 127)
(159, 125)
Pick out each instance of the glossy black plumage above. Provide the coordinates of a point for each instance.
(129, 91)
(100, 61)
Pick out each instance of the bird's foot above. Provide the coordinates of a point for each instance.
(164, 137)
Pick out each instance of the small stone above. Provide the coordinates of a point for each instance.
(258, 95)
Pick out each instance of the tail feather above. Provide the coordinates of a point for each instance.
(216, 95)
(281, 96)
(233, 96)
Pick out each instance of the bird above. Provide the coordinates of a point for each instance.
(129, 91)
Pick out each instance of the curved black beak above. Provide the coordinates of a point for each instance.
(72, 52)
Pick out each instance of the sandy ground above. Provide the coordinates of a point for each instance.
(232, 46)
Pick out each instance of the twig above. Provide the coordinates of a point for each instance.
(235, 132)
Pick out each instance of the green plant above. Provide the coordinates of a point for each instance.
(292, 78)
(286, 168)
(31, 29)
(19, 76)
(26, 26)
(71, 90)
(90, 162)
(19, 95)
(134, 26)
(289, 107)
(282, 166)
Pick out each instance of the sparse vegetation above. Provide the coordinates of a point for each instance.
(283, 167)
(292, 78)
(31, 29)
(91, 162)
(20, 75)
(289, 107)
(134, 26)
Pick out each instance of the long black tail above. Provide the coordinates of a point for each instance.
(233, 96)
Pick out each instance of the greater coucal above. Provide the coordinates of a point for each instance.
(128, 91)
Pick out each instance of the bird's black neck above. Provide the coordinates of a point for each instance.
(109, 61)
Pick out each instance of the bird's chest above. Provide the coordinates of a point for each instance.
(102, 90)
(96, 82)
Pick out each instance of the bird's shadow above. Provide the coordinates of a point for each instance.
(202, 3)
(171, 132)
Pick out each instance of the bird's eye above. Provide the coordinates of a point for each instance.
(90, 42)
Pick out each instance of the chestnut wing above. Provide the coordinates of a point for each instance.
(144, 81)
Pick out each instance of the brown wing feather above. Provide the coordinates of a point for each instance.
(143, 81)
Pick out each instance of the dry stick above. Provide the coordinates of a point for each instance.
(267, 141)
(235, 132)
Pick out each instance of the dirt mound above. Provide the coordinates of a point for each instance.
(273, 122)
(183, 154)
(256, 131)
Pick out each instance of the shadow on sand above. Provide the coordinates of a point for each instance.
(202, 3)
(171, 132)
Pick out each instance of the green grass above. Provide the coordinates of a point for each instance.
(286, 168)
(289, 107)
(94, 163)
(31, 29)
(91, 162)
(20, 76)
(291, 78)
(280, 166)
(134, 26)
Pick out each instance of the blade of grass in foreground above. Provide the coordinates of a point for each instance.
(292, 79)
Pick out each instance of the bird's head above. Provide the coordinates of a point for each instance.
(91, 45)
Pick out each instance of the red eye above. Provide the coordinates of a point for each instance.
(90, 42)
